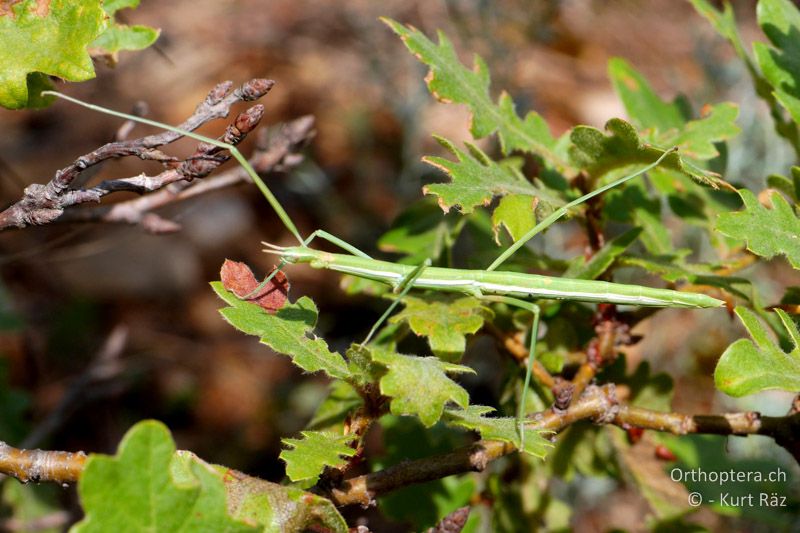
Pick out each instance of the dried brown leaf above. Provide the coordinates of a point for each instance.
(239, 279)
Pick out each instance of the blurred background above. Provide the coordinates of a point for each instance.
(104, 325)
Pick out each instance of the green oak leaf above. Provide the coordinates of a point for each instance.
(419, 385)
(420, 232)
(118, 37)
(669, 123)
(697, 138)
(476, 179)
(137, 491)
(445, 321)
(288, 331)
(747, 367)
(767, 231)
(724, 22)
(50, 40)
(310, 455)
(790, 186)
(517, 212)
(644, 107)
(780, 21)
(363, 368)
(450, 81)
(599, 154)
(276, 507)
(504, 429)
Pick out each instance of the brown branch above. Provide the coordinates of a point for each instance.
(41, 465)
(598, 404)
(602, 349)
(43, 204)
(277, 150)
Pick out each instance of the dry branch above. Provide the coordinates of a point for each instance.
(598, 404)
(58, 199)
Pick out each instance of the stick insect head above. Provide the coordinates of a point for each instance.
(289, 254)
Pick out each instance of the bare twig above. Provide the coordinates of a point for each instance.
(275, 152)
(598, 404)
(602, 349)
(42, 204)
(41, 465)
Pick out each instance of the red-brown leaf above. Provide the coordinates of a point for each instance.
(239, 279)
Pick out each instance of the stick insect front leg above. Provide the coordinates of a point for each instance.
(322, 234)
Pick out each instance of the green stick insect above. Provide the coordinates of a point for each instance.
(511, 288)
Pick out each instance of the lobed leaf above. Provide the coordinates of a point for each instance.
(790, 186)
(517, 212)
(767, 231)
(724, 22)
(310, 455)
(697, 139)
(780, 64)
(45, 38)
(420, 232)
(476, 179)
(289, 331)
(644, 107)
(419, 386)
(450, 81)
(445, 321)
(118, 37)
(599, 154)
(136, 490)
(747, 367)
(278, 508)
(669, 124)
(504, 429)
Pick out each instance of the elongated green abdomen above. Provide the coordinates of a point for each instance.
(503, 283)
